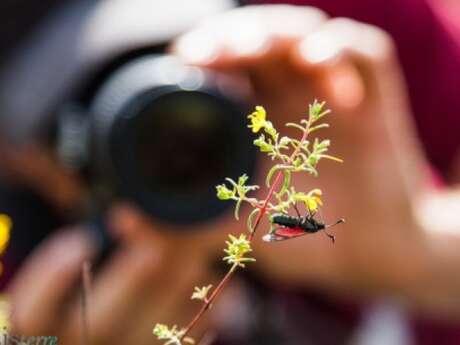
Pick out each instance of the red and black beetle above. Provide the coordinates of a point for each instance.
(292, 227)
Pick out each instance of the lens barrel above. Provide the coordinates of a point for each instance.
(163, 135)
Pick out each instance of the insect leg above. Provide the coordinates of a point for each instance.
(332, 237)
(297, 210)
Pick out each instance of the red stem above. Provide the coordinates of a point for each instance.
(230, 273)
(263, 209)
(209, 301)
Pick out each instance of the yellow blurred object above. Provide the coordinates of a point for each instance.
(5, 227)
(5, 311)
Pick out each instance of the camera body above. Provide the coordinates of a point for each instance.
(99, 89)
(161, 134)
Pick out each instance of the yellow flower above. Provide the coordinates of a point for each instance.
(5, 226)
(312, 200)
(258, 119)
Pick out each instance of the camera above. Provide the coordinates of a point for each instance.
(98, 87)
(161, 134)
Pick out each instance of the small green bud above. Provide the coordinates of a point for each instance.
(285, 141)
(263, 145)
(313, 159)
(324, 144)
(242, 179)
(270, 130)
(297, 162)
(201, 293)
(316, 108)
(237, 247)
(161, 331)
(223, 193)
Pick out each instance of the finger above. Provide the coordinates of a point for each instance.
(127, 281)
(350, 54)
(117, 292)
(247, 35)
(39, 290)
(170, 304)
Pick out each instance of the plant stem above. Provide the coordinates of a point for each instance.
(304, 137)
(207, 303)
(85, 296)
(263, 209)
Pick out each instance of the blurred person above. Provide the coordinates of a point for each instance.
(401, 234)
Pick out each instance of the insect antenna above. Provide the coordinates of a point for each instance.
(332, 237)
(341, 220)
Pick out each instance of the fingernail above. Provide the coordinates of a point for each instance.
(199, 47)
(248, 39)
(318, 48)
(345, 86)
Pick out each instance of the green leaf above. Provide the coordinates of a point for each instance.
(315, 111)
(286, 182)
(242, 179)
(305, 146)
(201, 293)
(236, 250)
(262, 144)
(250, 218)
(315, 128)
(233, 183)
(303, 158)
(274, 169)
(270, 130)
(223, 193)
(323, 145)
(172, 335)
(315, 108)
(298, 161)
(311, 170)
(295, 125)
(247, 260)
(237, 209)
(284, 141)
(332, 158)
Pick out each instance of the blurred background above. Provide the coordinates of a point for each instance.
(97, 110)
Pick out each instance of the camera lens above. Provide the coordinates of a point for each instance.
(168, 142)
(181, 143)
